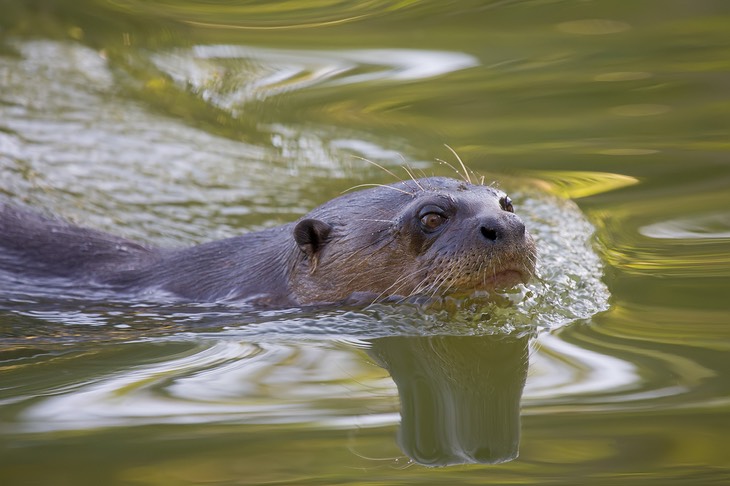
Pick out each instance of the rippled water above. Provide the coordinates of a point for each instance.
(177, 123)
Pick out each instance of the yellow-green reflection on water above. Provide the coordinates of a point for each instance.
(576, 184)
(180, 122)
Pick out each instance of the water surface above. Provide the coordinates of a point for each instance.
(178, 123)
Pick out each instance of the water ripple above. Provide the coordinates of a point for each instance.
(702, 227)
(77, 147)
(228, 76)
(221, 380)
(562, 369)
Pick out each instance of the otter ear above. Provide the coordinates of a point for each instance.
(311, 235)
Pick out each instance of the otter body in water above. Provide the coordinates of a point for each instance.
(430, 237)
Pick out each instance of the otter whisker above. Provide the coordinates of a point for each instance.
(442, 277)
(397, 285)
(447, 278)
(434, 287)
(480, 273)
(429, 288)
(377, 185)
(374, 220)
(441, 161)
(495, 267)
(463, 166)
(359, 277)
(443, 290)
(367, 276)
(421, 287)
(352, 256)
(400, 282)
(355, 255)
(532, 258)
(378, 166)
(421, 172)
(405, 168)
(378, 244)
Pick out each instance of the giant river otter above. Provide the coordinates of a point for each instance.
(426, 237)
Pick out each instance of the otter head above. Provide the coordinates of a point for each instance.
(432, 236)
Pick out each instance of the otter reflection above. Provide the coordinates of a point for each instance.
(460, 395)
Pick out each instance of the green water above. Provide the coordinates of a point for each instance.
(181, 122)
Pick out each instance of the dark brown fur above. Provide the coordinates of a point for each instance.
(364, 245)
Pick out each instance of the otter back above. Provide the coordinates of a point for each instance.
(254, 266)
(33, 244)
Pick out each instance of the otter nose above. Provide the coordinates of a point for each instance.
(490, 232)
(496, 229)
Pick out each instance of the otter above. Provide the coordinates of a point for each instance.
(422, 237)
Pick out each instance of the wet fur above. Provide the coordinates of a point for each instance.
(366, 244)
(242, 267)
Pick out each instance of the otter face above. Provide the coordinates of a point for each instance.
(433, 237)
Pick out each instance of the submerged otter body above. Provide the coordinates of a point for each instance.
(430, 237)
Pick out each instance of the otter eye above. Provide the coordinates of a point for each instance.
(506, 204)
(431, 221)
(432, 217)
